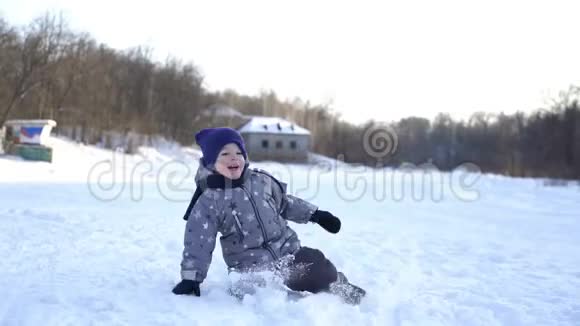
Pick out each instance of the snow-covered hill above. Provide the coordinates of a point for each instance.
(80, 245)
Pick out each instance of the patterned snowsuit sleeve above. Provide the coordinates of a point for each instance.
(292, 208)
(297, 210)
(200, 238)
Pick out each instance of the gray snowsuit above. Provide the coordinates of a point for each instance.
(251, 218)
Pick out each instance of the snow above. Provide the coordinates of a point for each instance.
(259, 124)
(503, 251)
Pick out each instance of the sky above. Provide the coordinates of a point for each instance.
(380, 60)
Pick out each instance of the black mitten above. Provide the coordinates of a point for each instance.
(328, 221)
(187, 287)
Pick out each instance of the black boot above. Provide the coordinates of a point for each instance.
(349, 293)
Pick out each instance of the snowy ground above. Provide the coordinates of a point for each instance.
(495, 251)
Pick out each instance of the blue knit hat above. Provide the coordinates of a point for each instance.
(212, 140)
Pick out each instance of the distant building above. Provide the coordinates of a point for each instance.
(276, 139)
(28, 139)
(219, 115)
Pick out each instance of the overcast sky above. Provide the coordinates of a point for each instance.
(382, 59)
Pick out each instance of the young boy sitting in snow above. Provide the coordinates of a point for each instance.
(250, 209)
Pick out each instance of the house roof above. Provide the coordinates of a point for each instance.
(272, 125)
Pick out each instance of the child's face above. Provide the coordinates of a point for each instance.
(230, 161)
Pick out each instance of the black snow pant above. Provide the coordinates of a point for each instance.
(311, 271)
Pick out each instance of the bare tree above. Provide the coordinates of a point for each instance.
(30, 58)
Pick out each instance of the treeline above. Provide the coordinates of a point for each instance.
(49, 72)
(545, 143)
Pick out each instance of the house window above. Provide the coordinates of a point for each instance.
(293, 144)
(264, 143)
(278, 144)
